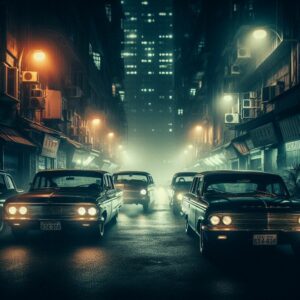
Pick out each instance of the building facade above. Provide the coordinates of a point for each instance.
(61, 85)
(148, 58)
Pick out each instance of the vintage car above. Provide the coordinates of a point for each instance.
(181, 183)
(228, 208)
(8, 189)
(62, 200)
(137, 187)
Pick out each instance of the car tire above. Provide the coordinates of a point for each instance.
(146, 207)
(204, 245)
(188, 228)
(115, 218)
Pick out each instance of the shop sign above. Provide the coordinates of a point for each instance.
(263, 136)
(292, 146)
(241, 147)
(50, 146)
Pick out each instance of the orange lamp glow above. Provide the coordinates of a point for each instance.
(39, 56)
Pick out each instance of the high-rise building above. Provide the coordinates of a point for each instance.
(148, 58)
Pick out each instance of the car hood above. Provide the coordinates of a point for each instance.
(130, 186)
(256, 203)
(56, 196)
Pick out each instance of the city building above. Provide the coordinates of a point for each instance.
(61, 86)
(148, 58)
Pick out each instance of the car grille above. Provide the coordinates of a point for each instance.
(131, 194)
(52, 211)
(264, 221)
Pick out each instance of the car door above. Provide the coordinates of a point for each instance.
(116, 200)
(189, 202)
(108, 197)
(199, 203)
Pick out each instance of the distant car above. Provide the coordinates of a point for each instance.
(61, 200)
(180, 185)
(241, 207)
(8, 189)
(137, 187)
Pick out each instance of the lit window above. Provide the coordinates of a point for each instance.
(170, 130)
(193, 92)
(180, 112)
(144, 2)
(97, 60)
(162, 14)
(132, 36)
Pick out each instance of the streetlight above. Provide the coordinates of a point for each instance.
(39, 56)
(259, 34)
(96, 122)
(227, 97)
(110, 135)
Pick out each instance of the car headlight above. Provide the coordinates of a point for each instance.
(214, 220)
(226, 220)
(179, 196)
(23, 210)
(143, 192)
(92, 211)
(81, 211)
(12, 210)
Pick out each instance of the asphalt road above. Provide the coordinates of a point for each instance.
(143, 256)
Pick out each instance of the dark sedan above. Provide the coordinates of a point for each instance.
(234, 208)
(65, 200)
(181, 184)
(137, 187)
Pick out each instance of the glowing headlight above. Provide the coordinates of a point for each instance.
(92, 211)
(12, 210)
(180, 196)
(23, 210)
(143, 192)
(81, 211)
(214, 220)
(226, 220)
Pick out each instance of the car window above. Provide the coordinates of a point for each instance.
(275, 188)
(107, 182)
(3, 187)
(195, 185)
(10, 183)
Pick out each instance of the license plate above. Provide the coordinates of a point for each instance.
(50, 226)
(265, 239)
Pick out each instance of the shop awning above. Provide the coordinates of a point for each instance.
(12, 136)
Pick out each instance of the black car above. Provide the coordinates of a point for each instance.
(137, 187)
(65, 200)
(8, 189)
(229, 208)
(181, 183)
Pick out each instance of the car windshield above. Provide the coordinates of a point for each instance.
(130, 178)
(68, 180)
(257, 186)
(183, 181)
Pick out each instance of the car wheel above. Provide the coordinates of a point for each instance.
(115, 218)
(146, 207)
(101, 229)
(188, 229)
(204, 246)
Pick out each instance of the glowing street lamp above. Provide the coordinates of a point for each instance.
(259, 34)
(198, 128)
(111, 135)
(190, 146)
(39, 56)
(228, 98)
(96, 122)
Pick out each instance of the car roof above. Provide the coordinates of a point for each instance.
(235, 172)
(132, 172)
(61, 171)
(185, 174)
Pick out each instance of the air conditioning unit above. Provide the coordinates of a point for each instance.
(235, 70)
(249, 113)
(37, 93)
(30, 77)
(9, 81)
(74, 92)
(37, 103)
(232, 118)
(247, 103)
(243, 52)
